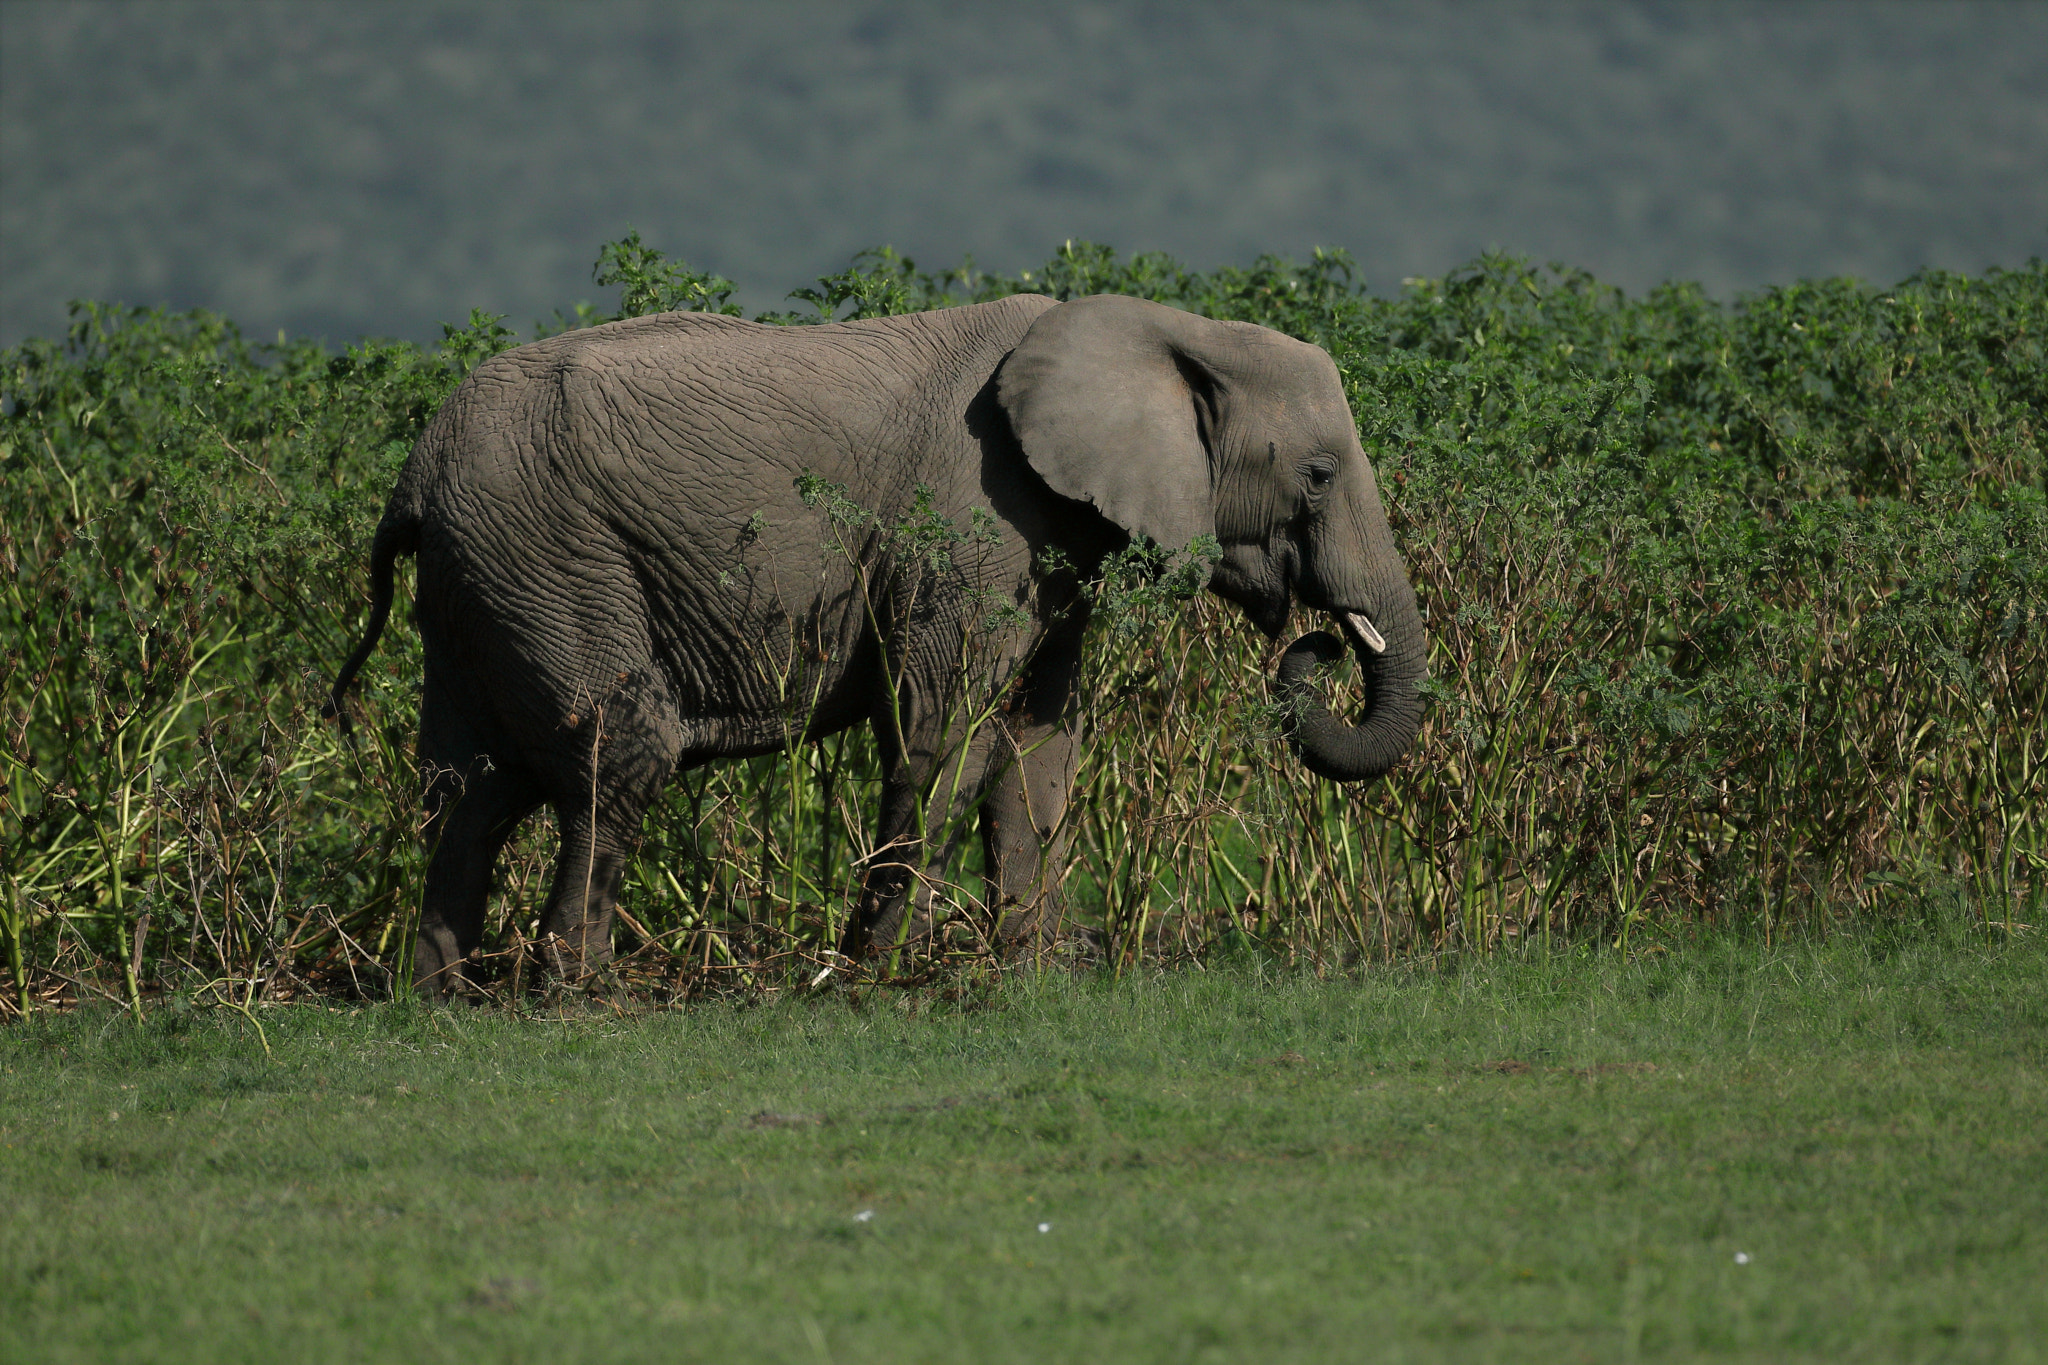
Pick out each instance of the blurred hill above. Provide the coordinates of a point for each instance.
(336, 169)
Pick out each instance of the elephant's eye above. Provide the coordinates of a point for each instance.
(1320, 477)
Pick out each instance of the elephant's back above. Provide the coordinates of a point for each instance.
(703, 410)
(698, 358)
(662, 439)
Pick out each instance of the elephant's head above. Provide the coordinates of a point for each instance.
(1176, 426)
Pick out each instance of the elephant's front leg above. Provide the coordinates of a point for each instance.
(1024, 835)
(1030, 781)
(926, 780)
(881, 917)
(576, 925)
(946, 757)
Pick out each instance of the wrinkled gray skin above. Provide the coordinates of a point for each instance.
(596, 613)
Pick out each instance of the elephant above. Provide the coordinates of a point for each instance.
(613, 526)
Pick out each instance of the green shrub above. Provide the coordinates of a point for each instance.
(1736, 614)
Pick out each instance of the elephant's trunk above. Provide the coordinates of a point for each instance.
(1392, 658)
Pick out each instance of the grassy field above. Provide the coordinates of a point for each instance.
(1722, 1150)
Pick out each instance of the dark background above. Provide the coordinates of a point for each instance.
(337, 169)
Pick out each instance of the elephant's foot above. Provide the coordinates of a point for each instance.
(873, 935)
(575, 944)
(577, 961)
(1025, 931)
(437, 964)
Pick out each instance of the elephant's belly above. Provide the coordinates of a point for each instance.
(750, 687)
(748, 736)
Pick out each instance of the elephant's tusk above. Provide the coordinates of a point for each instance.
(1362, 631)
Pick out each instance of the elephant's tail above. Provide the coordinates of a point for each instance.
(398, 534)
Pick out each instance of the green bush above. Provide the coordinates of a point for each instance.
(1736, 615)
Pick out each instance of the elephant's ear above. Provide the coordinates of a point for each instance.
(1112, 407)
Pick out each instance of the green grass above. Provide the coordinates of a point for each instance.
(1527, 1158)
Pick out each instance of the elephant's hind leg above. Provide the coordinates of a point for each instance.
(624, 752)
(476, 805)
